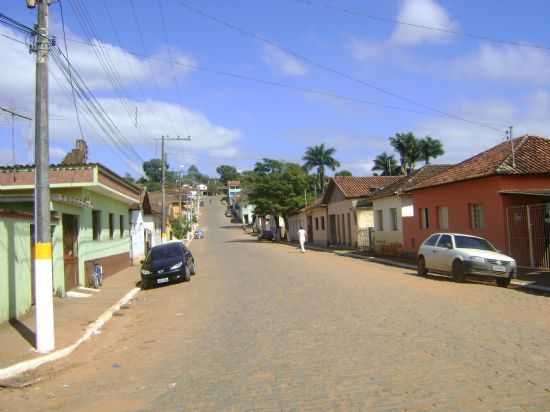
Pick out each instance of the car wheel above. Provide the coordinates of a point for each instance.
(194, 268)
(186, 274)
(503, 282)
(145, 284)
(421, 266)
(458, 271)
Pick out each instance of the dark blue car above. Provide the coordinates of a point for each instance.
(169, 262)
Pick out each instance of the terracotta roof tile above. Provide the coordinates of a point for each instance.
(354, 186)
(408, 182)
(532, 156)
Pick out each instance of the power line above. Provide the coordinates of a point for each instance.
(291, 52)
(70, 71)
(358, 13)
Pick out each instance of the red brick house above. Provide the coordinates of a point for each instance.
(500, 194)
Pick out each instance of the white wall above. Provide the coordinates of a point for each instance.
(387, 236)
(137, 240)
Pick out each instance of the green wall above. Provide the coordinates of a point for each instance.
(15, 267)
(90, 249)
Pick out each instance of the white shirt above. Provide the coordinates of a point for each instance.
(302, 235)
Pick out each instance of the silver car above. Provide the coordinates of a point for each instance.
(460, 255)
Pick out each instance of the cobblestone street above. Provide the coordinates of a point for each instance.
(264, 327)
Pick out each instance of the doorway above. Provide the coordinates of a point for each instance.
(70, 250)
(310, 229)
(332, 227)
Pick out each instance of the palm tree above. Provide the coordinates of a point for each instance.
(408, 147)
(320, 157)
(430, 148)
(386, 164)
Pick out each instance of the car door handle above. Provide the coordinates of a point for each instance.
(434, 251)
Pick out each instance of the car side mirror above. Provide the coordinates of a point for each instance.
(449, 245)
(141, 262)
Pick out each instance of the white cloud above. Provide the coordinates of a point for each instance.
(504, 63)
(360, 168)
(57, 154)
(155, 117)
(365, 49)
(283, 62)
(461, 140)
(423, 13)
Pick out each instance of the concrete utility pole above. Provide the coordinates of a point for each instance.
(45, 336)
(163, 179)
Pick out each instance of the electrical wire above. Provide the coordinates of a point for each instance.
(452, 32)
(247, 33)
(70, 71)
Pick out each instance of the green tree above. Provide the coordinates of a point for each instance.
(408, 147)
(180, 227)
(277, 188)
(343, 173)
(386, 164)
(129, 178)
(320, 157)
(226, 173)
(430, 148)
(153, 170)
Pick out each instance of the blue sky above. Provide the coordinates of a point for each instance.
(238, 122)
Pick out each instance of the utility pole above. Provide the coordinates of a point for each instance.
(45, 334)
(163, 178)
(510, 135)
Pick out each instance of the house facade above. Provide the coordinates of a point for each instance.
(91, 218)
(391, 204)
(233, 190)
(93, 204)
(316, 217)
(502, 194)
(349, 209)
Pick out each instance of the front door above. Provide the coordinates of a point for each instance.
(310, 229)
(70, 250)
(332, 224)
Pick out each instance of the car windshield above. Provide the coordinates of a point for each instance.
(468, 242)
(165, 252)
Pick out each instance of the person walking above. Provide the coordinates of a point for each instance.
(302, 236)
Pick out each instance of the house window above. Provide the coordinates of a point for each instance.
(424, 217)
(477, 218)
(443, 217)
(316, 223)
(322, 223)
(380, 220)
(96, 224)
(121, 226)
(393, 215)
(111, 225)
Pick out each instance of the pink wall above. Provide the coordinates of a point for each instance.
(457, 197)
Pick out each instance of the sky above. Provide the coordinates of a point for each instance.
(248, 80)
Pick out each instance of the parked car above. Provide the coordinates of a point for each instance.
(461, 255)
(167, 263)
(199, 234)
(266, 235)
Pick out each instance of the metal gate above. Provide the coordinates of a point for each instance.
(529, 235)
(364, 239)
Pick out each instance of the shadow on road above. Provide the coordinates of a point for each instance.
(230, 227)
(24, 331)
(247, 241)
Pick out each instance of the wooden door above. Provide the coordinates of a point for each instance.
(70, 250)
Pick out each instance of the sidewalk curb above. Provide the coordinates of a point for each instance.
(516, 282)
(25, 366)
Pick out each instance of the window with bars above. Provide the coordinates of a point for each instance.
(477, 218)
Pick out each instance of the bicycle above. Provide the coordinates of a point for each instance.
(97, 276)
